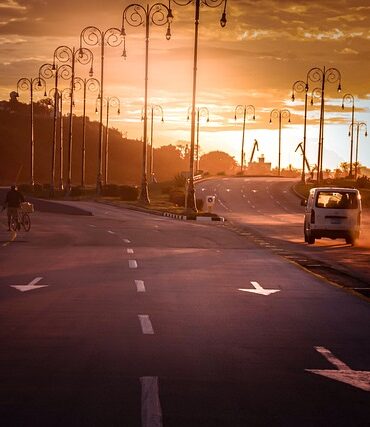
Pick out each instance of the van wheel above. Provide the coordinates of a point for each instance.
(350, 240)
(305, 235)
(310, 239)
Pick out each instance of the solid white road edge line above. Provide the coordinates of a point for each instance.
(146, 324)
(140, 287)
(151, 411)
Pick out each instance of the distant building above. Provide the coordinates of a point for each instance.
(260, 167)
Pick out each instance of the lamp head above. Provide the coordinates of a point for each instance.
(349, 133)
(96, 110)
(365, 133)
(235, 117)
(168, 33)
(339, 87)
(254, 117)
(39, 83)
(91, 72)
(293, 97)
(223, 20)
(118, 111)
(124, 53)
(342, 105)
(45, 94)
(270, 120)
(311, 101)
(289, 120)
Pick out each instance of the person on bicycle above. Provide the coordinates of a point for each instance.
(13, 201)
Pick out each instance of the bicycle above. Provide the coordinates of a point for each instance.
(22, 218)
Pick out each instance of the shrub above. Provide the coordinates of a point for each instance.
(25, 188)
(129, 193)
(111, 190)
(76, 191)
(222, 173)
(179, 180)
(177, 197)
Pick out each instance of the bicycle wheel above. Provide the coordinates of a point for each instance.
(26, 222)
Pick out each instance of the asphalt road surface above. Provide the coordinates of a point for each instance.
(269, 210)
(129, 319)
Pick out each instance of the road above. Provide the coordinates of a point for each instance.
(268, 209)
(147, 321)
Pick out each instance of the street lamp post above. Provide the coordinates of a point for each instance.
(93, 36)
(244, 109)
(323, 75)
(200, 112)
(350, 98)
(48, 71)
(300, 86)
(136, 15)
(358, 126)
(31, 84)
(154, 108)
(280, 114)
(84, 56)
(190, 196)
(110, 101)
(92, 85)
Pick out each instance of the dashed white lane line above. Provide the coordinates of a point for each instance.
(146, 324)
(130, 251)
(126, 241)
(111, 232)
(151, 411)
(140, 287)
(132, 263)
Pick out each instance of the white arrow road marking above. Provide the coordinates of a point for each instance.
(130, 251)
(132, 263)
(151, 411)
(344, 374)
(258, 289)
(30, 287)
(111, 232)
(146, 324)
(140, 285)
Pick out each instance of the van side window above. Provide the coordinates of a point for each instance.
(336, 200)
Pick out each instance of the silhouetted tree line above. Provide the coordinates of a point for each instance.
(125, 155)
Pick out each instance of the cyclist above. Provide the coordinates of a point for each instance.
(13, 201)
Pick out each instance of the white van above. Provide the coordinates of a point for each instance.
(334, 213)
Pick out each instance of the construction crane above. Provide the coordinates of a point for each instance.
(255, 146)
(303, 154)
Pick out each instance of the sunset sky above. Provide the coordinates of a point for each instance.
(255, 59)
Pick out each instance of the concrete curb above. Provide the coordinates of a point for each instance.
(194, 218)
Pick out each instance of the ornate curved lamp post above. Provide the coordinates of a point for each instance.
(93, 36)
(154, 109)
(110, 101)
(280, 114)
(244, 109)
(31, 84)
(323, 75)
(300, 86)
(136, 15)
(358, 126)
(350, 98)
(47, 71)
(200, 112)
(191, 202)
(84, 56)
(92, 85)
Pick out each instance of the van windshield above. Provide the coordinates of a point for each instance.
(336, 200)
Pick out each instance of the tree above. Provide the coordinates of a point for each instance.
(216, 162)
